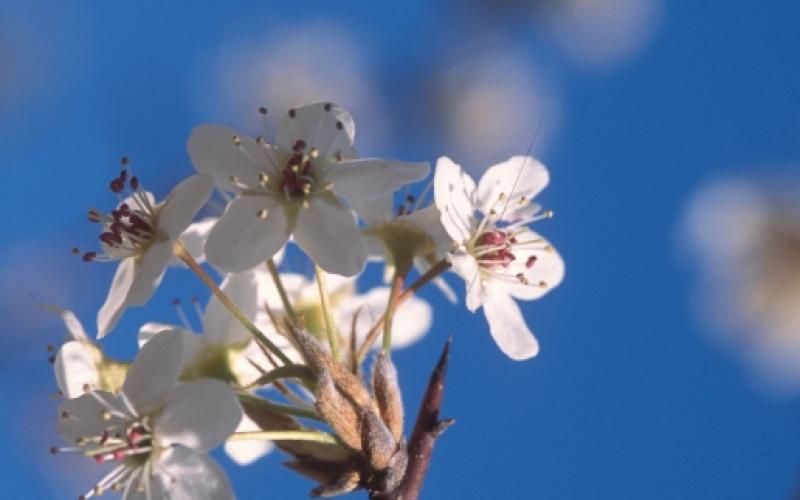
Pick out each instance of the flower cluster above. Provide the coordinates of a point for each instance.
(278, 359)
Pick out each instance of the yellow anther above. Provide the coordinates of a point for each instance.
(542, 284)
(106, 415)
(263, 178)
(306, 188)
(548, 214)
(522, 279)
(262, 214)
(304, 204)
(237, 140)
(314, 153)
(501, 197)
(328, 186)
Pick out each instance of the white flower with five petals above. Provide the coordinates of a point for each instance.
(294, 187)
(156, 430)
(140, 234)
(498, 257)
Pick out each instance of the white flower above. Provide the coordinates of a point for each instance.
(498, 257)
(79, 364)
(156, 430)
(294, 187)
(140, 234)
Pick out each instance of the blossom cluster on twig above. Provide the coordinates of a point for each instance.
(279, 358)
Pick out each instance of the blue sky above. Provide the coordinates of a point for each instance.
(629, 397)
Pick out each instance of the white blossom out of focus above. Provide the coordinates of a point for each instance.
(493, 104)
(746, 237)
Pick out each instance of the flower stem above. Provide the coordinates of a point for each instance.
(183, 254)
(276, 278)
(258, 403)
(391, 306)
(315, 436)
(433, 272)
(327, 312)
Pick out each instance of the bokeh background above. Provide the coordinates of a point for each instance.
(635, 106)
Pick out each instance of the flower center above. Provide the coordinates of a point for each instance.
(494, 248)
(130, 228)
(297, 176)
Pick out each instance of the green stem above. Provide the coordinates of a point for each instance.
(433, 272)
(276, 278)
(315, 436)
(327, 312)
(183, 254)
(391, 307)
(300, 372)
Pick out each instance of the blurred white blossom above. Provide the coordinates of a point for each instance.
(601, 33)
(318, 61)
(492, 104)
(746, 236)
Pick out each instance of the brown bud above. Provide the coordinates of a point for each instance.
(350, 384)
(396, 469)
(339, 413)
(386, 389)
(378, 443)
(346, 483)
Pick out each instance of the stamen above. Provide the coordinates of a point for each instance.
(262, 214)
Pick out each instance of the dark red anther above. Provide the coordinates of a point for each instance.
(292, 113)
(51, 360)
(299, 145)
(134, 437)
(137, 223)
(134, 183)
(99, 458)
(327, 106)
(104, 437)
(531, 261)
(75, 251)
(117, 186)
(119, 455)
(89, 256)
(124, 209)
(93, 216)
(339, 125)
(110, 239)
(123, 175)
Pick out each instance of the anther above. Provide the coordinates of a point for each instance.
(134, 183)
(124, 161)
(548, 214)
(117, 186)
(304, 204)
(106, 415)
(542, 284)
(306, 188)
(262, 179)
(327, 106)
(54, 450)
(501, 197)
(50, 348)
(262, 214)
(75, 251)
(292, 113)
(339, 125)
(89, 256)
(237, 140)
(328, 186)
(531, 261)
(262, 110)
(314, 153)
(51, 359)
(522, 279)
(64, 414)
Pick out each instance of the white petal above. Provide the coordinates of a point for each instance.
(75, 369)
(213, 151)
(516, 178)
(247, 452)
(199, 415)
(375, 212)
(545, 273)
(318, 128)
(154, 372)
(149, 330)
(242, 239)
(115, 303)
(371, 179)
(327, 232)
(184, 474)
(194, 239)
(508, 327)
(84, 416)
(183, 203)
(219, 325)
(149, 271)
(466, 267)
(453, 191)
(412, 319)
(74, 326)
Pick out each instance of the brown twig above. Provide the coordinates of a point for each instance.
(427, 429)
